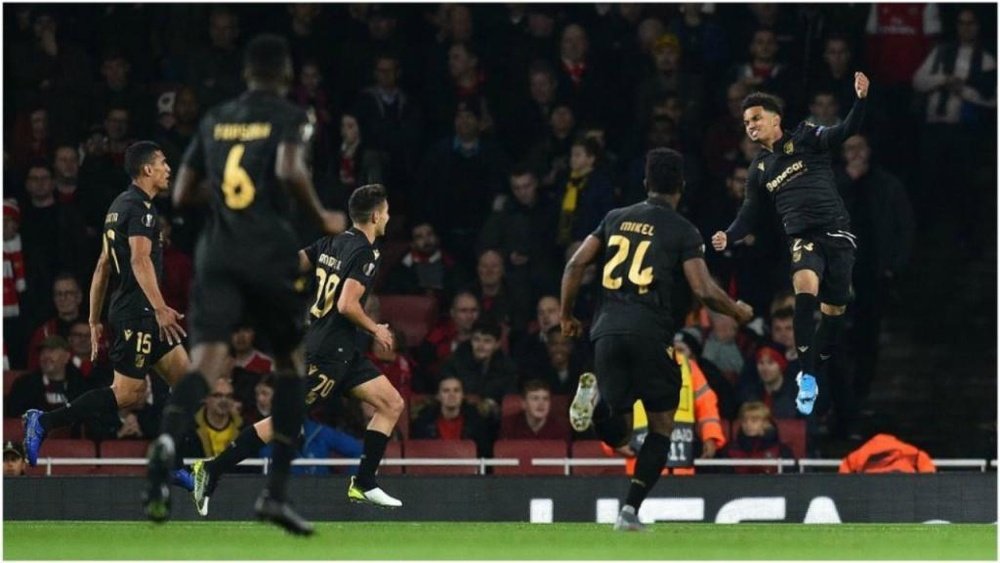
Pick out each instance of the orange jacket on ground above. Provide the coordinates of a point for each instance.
(885, 453)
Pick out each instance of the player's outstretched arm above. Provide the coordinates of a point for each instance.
(98, 288)
(709, 293)
(349, 305)
(830, 137)
(142, 266)
(571, 280)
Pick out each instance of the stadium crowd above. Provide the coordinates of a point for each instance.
(503, 133)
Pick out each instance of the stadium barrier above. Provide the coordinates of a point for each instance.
(482, 463)
(793, 497)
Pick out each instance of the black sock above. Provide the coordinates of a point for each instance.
(287, 413)
(91, 405)
(805, 329)
(610, 429)
(247, 444)
(827, 334)
(649, 464)
(374, 448)
(185, 399)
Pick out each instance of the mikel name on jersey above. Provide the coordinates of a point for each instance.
(636, 227)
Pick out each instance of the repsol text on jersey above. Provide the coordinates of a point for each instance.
(241, 131)
(787, 174)
(636, 227)
(327, 260)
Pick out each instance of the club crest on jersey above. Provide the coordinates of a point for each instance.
(789, 148)
(760, 166)
(147, 220)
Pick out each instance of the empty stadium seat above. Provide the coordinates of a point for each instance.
(412, 314)
(450, 449)
(592, 449)
(792, 432)
(123, 448)
(13, 429)
(58, 447)
(9, 377)
(525, 451)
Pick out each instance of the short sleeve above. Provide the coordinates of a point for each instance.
(362, 267)
(194, 156)
(598, 233)
(142, 223)
(312, 251)
(692, 246)
(296, 127)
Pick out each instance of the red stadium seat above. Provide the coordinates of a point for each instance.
(13, 429)
(792, 432)
(58, 447)
(512, 403)
(560, 405)
(403, 424)
(525, 451)
(394, 450)
(123, 448)
(450, 449)
(8, 380)
(413, 314)
(591, 449)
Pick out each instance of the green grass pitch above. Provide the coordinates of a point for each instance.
(445, 540)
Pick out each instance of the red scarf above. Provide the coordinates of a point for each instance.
(575, 71)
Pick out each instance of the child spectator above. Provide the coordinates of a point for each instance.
(756, 438)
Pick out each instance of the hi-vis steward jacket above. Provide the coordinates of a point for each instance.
(885, 453)
(697, 411)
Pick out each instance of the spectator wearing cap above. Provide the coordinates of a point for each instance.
(688, 341)
(775, 386)
(14, 284)
(68, 299)
(466, 168)
(668, 76)
(14, 464)
(51, 386)
(536, 421)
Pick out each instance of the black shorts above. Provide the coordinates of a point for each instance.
(831, 256)
(136, 346)
(631, 367)
(269, 293)
(329, 378)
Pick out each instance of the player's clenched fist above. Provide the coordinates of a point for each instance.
(571, 327)
(861, 84)
(719, 241)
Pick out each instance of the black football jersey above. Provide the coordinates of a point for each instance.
(235, 147)
(331, 336)
(645, 245)
(132, 214)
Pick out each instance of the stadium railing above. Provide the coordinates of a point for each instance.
(483, 463)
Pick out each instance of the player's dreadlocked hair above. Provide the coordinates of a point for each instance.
(769, 102)
(267, 57)
(664, 171)
(364, 201)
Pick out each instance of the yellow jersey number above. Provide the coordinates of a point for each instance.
(237, 186)
(641, 277)
(326, 287)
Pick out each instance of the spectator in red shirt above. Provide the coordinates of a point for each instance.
(394, 363)
(68, 298)
(260, 408)
(536, 421)
(451, 418)
(52, 386)
(443, 339)
(248, 357)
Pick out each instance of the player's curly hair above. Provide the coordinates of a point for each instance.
(769, 102)
(664, 171)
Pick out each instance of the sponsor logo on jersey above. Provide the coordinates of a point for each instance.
(796, 168)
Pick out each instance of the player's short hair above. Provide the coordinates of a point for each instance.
(364, 201)
(769, 102)
(664, 171)
(267, 57)
(138, 155)
(535, 385)
(487, 328)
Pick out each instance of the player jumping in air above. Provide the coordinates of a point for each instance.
(794, 172)
(640, 247)
(345, 268)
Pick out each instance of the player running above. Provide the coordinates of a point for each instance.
(251, 150)
(794, 170)
(641, 247)
(345, 268)
(145, 331)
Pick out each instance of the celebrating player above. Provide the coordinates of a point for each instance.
(145, 331)
(345, 267)
(794, 169)
(641, 248)
(249, 149)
